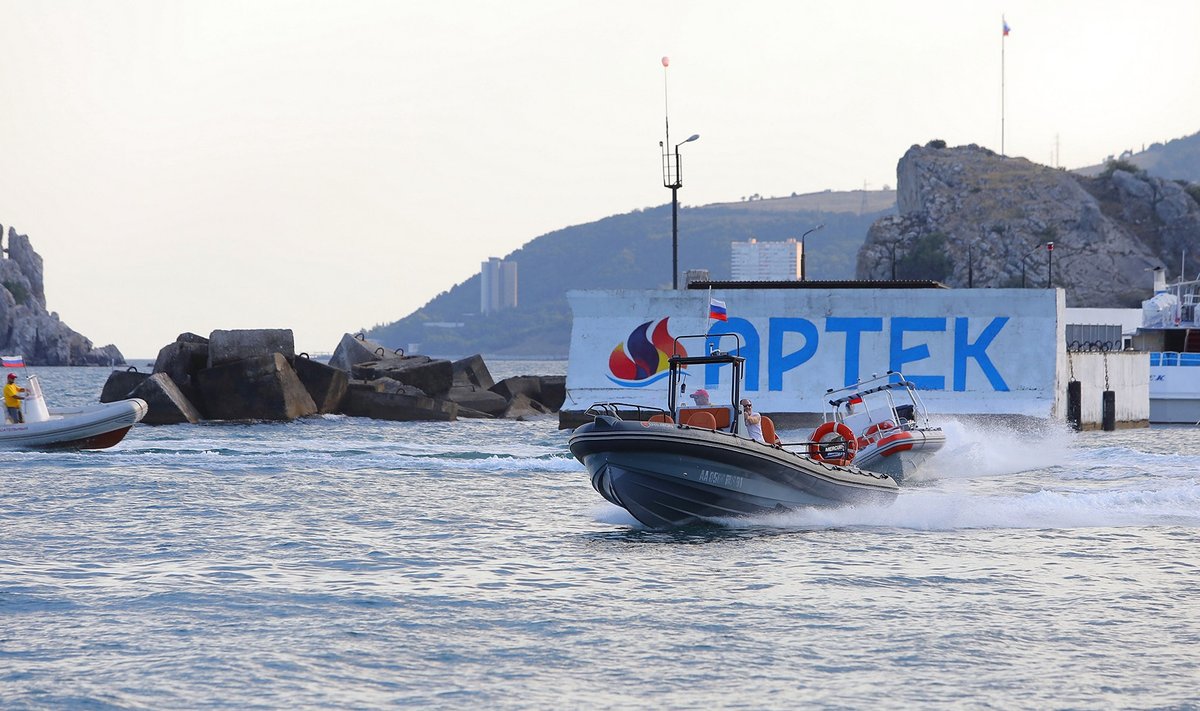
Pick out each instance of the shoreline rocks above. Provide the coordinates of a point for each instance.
(255, 374)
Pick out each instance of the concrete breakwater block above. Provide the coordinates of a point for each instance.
(472, 371)
(473, 397)
(432, 376)
(352, 350)
(120, 383)
(167, 404)
(259, 388)
(243, 344)
(182, 359)
(522, 407)
(401, 404)
(549, 390)
(325, 384)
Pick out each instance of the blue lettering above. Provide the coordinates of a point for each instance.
(900, 355)
(977, 350)
(777, 362)
(853, 327)
(751, 350)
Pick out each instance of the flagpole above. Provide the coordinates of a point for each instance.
(1003, 36)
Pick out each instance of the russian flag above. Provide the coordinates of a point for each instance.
(1006, 27)
(13, 361)
(716, 310)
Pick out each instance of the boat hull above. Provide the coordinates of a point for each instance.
(93, 427)
(667, 476)
(899, 453)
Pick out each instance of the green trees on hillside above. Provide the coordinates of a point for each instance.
(630, 251)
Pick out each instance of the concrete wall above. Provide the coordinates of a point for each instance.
(970, 351)
(1126, 373)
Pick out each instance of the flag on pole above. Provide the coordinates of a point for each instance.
(716, 309)
(1006, 27)
(13, 361)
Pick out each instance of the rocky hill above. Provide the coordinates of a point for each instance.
(1177, 159)
(26, 328)
(630, 251)
(969, 217)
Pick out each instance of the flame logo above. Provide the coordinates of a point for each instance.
(642, 358)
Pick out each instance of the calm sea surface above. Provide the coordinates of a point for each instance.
(339, 562)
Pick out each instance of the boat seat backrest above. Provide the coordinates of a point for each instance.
(662, 418)
(768, 430)
(721, 416)
(703, 420)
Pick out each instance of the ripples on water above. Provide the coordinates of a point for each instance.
(341, 562)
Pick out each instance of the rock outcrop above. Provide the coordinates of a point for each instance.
(970, 217)
(26, 327)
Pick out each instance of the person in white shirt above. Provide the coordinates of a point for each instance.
(753, 421)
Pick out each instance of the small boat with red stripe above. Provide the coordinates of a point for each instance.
(880, 424)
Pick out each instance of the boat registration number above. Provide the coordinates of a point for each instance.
(729, 481)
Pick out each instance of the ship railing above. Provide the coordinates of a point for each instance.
(1172, 358)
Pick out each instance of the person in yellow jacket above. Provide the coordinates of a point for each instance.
(12, 399)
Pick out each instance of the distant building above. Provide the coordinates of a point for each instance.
(497, 285)
(765, 261)
(692, 275)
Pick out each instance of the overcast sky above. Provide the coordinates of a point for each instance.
(329, 166)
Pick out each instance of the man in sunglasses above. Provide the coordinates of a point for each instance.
(753, 421)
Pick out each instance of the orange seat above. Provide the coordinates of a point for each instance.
(720, 415)
(768, 430)
(703, 420)
(662, 418)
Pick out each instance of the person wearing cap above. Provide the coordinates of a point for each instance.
(753, 421)
(701, 397)
(12, 399)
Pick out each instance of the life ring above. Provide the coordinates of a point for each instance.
(873, 432)
(825, 447)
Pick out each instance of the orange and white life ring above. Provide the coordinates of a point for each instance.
(826, 447)
(874, 431)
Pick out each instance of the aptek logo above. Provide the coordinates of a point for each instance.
(642, 358)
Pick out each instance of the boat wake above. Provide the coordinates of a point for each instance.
(976, 450)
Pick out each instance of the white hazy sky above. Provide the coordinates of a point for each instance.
(328, 166)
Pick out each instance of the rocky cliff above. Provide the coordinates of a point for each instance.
(26, 328)
(970, 217)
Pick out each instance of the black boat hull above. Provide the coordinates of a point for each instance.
(667, 475)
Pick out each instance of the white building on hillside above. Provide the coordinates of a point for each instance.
(765, 261)
(497, 285)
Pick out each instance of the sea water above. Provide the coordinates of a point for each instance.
(338, 562)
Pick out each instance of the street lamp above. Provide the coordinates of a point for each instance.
(673, 179)
(1049, 264)
(804, 250)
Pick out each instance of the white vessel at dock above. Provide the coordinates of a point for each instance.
(1170, 332)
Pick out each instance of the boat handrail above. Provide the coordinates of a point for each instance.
(613, 409)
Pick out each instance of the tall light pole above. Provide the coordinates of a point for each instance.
(1050, 265)
(804, 250)
(673, 179)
